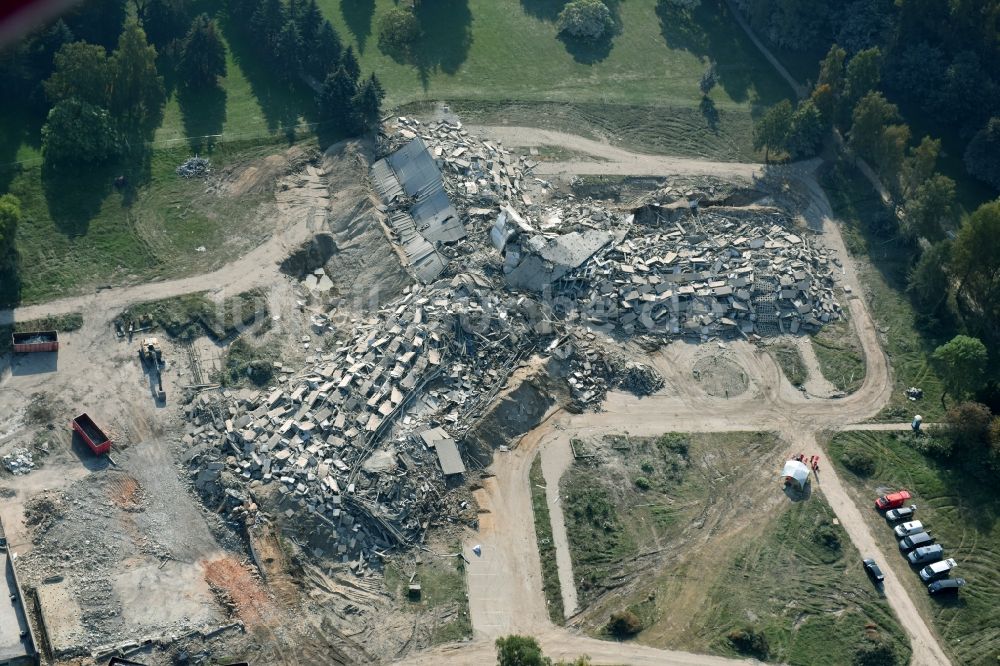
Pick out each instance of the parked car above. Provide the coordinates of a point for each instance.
(946, 586)
(937, 570)
(871, 568)
(906, 529)
(892, 500)
(916, 541)
(926, 554)
(902, 513)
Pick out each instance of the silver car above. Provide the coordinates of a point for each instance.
(906, 529)
(926, 554)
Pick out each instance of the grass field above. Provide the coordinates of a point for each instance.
(841, 359)
(697, 548)
(443, 595)
(883, 264)
(546, 547)
(81, 232)
(961, 513)
(789, 358)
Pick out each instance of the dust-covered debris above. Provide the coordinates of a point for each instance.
(194, 167)
(19, 461)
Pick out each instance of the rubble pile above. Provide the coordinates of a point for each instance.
(18, 461)
(709, 273)
(194, 167)
(330, 437)
(477, 172)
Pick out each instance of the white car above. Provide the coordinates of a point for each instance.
(906, 529)
(937, 570)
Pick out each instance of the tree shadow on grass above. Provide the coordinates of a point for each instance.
(446, 27)
(203, 112)
(281, 100)
(10, 281)
(586, 51)
(75, 194)
(358, 17)
(711, 31)
(709, 113)
(547, 10)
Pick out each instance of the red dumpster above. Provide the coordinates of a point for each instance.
(91, 434)
(38, 341)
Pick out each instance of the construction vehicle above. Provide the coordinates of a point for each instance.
(150, 351)
(151, 356)
(91, 434)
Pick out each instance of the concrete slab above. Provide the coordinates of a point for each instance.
(154, 597)
(61, 617)
(13, 648)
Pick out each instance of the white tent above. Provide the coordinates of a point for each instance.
(795, 472)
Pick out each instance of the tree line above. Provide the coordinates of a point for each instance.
(294, 37)
(938, 59)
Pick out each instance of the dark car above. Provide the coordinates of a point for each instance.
(873, 571)
(915, 541)
(946, 586)
(902, 513)
(926, 554)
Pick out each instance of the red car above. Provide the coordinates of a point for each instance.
(892, 500)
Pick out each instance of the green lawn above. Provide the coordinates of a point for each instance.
(443, 606)
(961, 512)
(789, 358)
(79, 231)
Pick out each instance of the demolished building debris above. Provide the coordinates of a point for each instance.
(358, 442)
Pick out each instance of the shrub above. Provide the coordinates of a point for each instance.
(398, 31)
(876, 652)
(642, 483)
(749, 641)
(858, 460)
(969, 426)
(585, 19)
(624, 624)
(826, 534)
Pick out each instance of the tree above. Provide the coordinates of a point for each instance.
(806, 130)
(82, 71)
(336, 100)
(683, 5)
(203, 56)
(588, 20)
(976, 264)
(288, 50)
(708, 79)
(325, 55)
(876, 652)
(969, 427)
(931, 208)
(349, 62)
(137, 94)
(266, 24)
(624, 624)
(863, 75)
(982, 155)
(961, 363)
(398, 32)
(771, 130)
(10, 217)
(919, 165)
(78, 132)
(831, 70)
(517, 650)
(367, 104)
(873, 137)
(927, 282)
(309, 21)
(890, 151)
(823, 98)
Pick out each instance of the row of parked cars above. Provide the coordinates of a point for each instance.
(916, 544)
